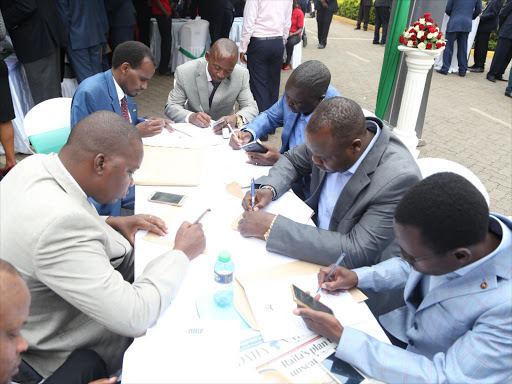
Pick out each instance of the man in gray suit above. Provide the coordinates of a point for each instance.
(359, 172)
(78, 265)
(208, 89)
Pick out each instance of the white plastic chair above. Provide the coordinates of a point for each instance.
(429, 166)
(48, 124)
(193, 40)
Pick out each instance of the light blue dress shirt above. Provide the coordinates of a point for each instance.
(335, 182)
(297, 136)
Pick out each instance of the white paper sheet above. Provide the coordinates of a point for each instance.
(291, 206)
(186, 135)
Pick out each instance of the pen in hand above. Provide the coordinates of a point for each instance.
(340, 259)
(232, 132)
(253, 194)
(202, 215)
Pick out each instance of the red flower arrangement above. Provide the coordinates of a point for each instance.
(423, 34)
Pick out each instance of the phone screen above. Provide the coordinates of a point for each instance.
(308, 300)
(254, 146)
(342, 371)
(167, 197)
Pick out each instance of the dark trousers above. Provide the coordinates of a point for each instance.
(165, 29)
(323, 21)
(143, 20)
(264, 59)
(215, 26)
(43, 77)
(364, 15)
(381, 19)
(121, 34)
(81, 367)
(481, 46)
(292, 42)
(227, 22)
(86, 62)
(462, 51)
(502, 56)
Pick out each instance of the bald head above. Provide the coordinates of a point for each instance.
(344, 118)
(101, 132)
(224, 48)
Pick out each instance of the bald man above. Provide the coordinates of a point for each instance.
(207, 88)
(78, 265)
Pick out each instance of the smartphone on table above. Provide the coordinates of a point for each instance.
(302, 298)
(254, 146)
(167, 198)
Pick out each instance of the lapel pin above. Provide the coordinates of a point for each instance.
(134, 110)
(483, 285)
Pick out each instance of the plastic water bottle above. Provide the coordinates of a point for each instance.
(223, 273)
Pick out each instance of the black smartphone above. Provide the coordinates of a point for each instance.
(167, 198)
(254, 146)
(302, 298)
(343, 372)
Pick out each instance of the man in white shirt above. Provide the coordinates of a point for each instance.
(265, 30)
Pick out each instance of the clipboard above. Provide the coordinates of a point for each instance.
(295, 268)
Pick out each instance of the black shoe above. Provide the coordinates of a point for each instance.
(365, 29)
(356, 28)
(491, 78)
(462, 74)
(304, 41)
(311, 15)
(375, 42)
(441, 72)
(473, 67)
(508, 94)
(476, 69)
(383, 42)
(264, 137)
(321, 46)
(501, 79)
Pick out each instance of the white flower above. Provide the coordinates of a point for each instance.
(437, 30)
(409, 43)
(429, 23)
(417, 28)
(420, 34)
(429, 36)
(407, 35)
(421, 20)
(421, 46)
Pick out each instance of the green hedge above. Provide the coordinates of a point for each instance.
(350, 10)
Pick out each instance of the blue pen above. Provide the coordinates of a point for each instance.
(253, 193)
(340, 259)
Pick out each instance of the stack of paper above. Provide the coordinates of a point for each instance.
(185, 135)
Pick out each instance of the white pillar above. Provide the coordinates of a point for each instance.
(419, 63)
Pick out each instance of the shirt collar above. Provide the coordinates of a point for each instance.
(119, 90)
(374, 127)
(208, 76)
(68, 175)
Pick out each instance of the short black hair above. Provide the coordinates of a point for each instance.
(449, 211)
(131, 52)
(312, 75)
(101, 132)
(344, 117)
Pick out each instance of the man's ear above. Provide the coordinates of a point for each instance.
(99, 164)
(462, 256)
(207, 56)
(125, 67)
(356, 145)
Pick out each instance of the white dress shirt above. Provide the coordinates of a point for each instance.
(335, 182)
(266, 18)
(120, 95)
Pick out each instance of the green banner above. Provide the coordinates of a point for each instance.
(391, 56)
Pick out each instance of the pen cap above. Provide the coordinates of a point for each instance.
(224, 256)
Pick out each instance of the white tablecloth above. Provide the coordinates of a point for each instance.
(155, 39)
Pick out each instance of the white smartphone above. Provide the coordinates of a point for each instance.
(167, 198)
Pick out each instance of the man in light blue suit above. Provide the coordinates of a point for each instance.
(462, 13)
(133, 66)
(456, 268)
(306, 88)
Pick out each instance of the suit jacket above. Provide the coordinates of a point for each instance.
(98, 93)
(461, 332)
(383, 3)
(461, 13)
(332, 5)
(505, 17)
(78, 269)
(280, 115)
(190, 93)
(120, 13)
(85, 21)
(34, 26)
(362, 221)
(489, 16)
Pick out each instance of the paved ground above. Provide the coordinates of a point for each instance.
(469, 120)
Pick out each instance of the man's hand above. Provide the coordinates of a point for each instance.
(200, 119)
(261, 199)
(112, 380)
(190, 239)
(269, 158)
(341, 280)
(150, 128)
(255, 224)
(324, 3)
(242, 58)
(320, 322)
(167, 123)
(240, 138)
(129, 225)
(231, 119)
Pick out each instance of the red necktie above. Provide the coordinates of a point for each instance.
(124, 109)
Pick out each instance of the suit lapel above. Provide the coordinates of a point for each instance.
(290, 124)
(410, 290)
(132, 108)
(114, 99)
(221, 91)
(202, 88)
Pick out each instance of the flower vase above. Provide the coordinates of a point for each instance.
(419, 63)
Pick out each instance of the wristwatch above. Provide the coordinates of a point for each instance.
(239, 121)
(267, 234)
(274, 193)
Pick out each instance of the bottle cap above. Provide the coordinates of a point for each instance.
(224, 256)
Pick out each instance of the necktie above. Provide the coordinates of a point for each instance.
(215, 86)
(124, 109)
